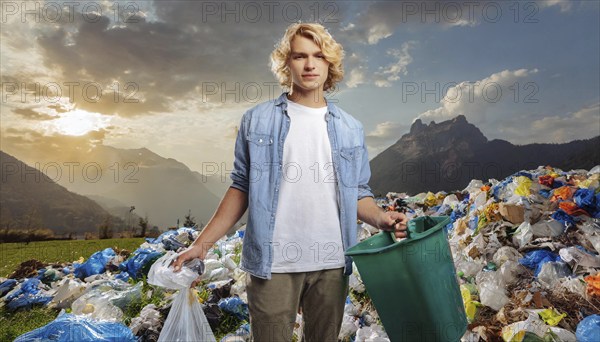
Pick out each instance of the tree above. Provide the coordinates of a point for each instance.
(190, 221)
(105, 230)
(143, 223)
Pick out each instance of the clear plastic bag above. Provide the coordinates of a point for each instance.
(186, 320)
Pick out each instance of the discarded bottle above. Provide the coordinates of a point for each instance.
(196, 265)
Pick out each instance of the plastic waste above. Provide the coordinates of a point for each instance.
(523, 234)
(551, 316)
(593, 285)
(551, 272)
(186, 320)
(535, 259)
(491, 290)
(162, 273)
(136, 262)
(27, 294)
(506, 253)
(6, 286)
(95, 264)
(588, 329)
(106, 299)
(68, 291)
(579, 257)
(234, 306)
(67, 328)
(149, 318)
(550, 228)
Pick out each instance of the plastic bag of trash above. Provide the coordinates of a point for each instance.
(535, 259)
(27, 294)
(588, 329)
(68, 291)
(491, 289)
(162, 273)
(106, 299)
(186, 320)
(67, 328)
(551, 272)
(136, 262)
(96, 264)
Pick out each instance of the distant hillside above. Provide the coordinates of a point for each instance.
(164, 189)
(30, 199)
(447, 155)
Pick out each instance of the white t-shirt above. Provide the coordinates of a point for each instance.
(307, 235)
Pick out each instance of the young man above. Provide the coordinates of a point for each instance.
(301, 168)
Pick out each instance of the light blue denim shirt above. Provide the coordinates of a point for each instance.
(257, 170)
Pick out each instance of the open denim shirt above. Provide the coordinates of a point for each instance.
(257, 170)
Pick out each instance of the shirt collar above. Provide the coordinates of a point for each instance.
(282, 101)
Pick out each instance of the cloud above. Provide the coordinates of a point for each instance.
(582, 124)
(391, 73)
(356, 77)
(564, 5)
(30, 114)
(384, 135)
(474, 99)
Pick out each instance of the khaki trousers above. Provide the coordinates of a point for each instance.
(274, 303)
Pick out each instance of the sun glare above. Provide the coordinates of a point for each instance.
(78, 122)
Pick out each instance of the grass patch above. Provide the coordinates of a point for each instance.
(14, 324)
(12, 254)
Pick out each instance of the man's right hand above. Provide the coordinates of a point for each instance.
(192, 252)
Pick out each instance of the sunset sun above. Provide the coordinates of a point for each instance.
(78, 122)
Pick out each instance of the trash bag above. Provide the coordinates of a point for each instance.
(67, 328)
(96, 264)
(136, 262)
(535, 259)
(588, 329)
(68, 291)
(27, 295)
(107, 300)
(162, 273)
(588, 201)
(235, 306)
(186, 320)
(6, 286)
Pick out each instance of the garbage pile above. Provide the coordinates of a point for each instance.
(526, 252)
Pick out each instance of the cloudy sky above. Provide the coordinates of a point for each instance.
(176, 76)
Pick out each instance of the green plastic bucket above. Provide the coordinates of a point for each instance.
(413, 283)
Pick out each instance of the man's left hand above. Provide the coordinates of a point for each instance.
(393, 221)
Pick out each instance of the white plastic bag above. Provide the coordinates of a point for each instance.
(186, 320)
(162, 274)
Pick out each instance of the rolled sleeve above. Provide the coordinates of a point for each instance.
(365, 173)
(241, 163)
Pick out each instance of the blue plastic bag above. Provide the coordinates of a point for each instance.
(588, 201)
(96, 264)
(27, 296)
(566, 219)
(235, 306)
(535, 259)
(68, 328)
(6, 286)
(588, 330)
(136, 262)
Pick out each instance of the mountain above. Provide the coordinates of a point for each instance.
(164, 189)
(447, 155)
(30, 199)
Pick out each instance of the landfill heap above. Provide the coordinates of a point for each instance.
(526, 251)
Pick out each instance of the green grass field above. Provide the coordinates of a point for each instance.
(12, 254)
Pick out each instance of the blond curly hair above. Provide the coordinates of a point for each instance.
(332, 50)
